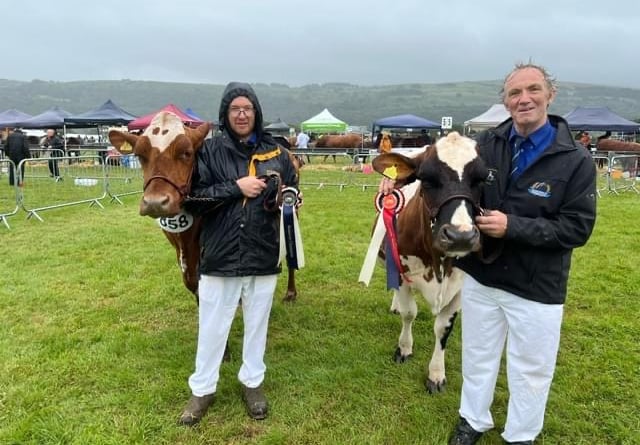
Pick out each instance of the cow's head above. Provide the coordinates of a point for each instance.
(166, 151)
(451, 174)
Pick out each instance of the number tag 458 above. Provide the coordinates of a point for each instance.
(176, 224)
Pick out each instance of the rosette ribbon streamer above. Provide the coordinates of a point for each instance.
(290, 238)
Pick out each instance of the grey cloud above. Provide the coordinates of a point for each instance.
(286, 41)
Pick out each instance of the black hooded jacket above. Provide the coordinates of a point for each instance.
(17, 146)
(551, 209)
(240, 236)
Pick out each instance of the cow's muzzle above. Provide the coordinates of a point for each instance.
(160, 200)
(457, 241)
(156, 205)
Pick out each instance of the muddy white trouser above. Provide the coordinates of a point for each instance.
(219, 298)
(532, 333)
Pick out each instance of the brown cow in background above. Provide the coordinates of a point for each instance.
(615, 145)
(339, 141)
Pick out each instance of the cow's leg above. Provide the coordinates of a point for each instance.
(442, 326)
(191, 283)
(292, 292)
(394, 304)
(408, 310)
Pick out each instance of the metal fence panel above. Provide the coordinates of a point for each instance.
(363, 175)
(326, 168)
(8, 193)
(602, 167)
(82, 181)
(124, 176)
(623, 173)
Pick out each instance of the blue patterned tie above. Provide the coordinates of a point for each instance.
(517, 151)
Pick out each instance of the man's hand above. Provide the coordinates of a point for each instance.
(386, 185)
(493, 223)
(251, 186)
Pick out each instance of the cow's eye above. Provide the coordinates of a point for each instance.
(431, 183)
(185, 155)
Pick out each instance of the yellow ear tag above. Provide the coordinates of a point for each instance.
(391, 172)
(126, 146)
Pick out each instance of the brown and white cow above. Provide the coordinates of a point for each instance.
(442, 185)
(167, 152)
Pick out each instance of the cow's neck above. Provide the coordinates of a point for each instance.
(415, 238)
(187, 245)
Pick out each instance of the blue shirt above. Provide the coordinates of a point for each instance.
(532, 146)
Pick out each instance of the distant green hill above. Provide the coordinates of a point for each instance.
(357, 105)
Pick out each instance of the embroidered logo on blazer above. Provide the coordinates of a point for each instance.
(541, 189)
(491, 176)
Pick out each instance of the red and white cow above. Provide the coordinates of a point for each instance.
(167, 152)
(441, 185)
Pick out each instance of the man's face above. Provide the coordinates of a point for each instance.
(527, 97)
(50, 133)
(241, 116)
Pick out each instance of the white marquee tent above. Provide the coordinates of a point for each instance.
(490, 118)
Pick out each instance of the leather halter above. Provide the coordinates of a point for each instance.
(433, 211)
(441, 262)
(182, 190)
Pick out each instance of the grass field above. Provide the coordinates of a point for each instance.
(97, 339)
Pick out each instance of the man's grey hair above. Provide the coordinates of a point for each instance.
(549, 80)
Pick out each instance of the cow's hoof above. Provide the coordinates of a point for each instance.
(435, 387)
(399, 357)
(290, 297)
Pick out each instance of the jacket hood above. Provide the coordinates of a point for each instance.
(233, 90)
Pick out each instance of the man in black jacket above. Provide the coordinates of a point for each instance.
(16, 149)
(540, 205)
(239, 246)
(55, 145)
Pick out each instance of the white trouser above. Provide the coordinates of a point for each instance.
(532, 333)
(219, 298)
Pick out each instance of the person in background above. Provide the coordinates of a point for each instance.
(385, 143)
(540, 204)
(240, 246)
(55, 145)
(16, 149)
(302, 143)
(425, 138)
(585, 139)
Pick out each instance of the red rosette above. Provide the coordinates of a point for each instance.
(392, 202)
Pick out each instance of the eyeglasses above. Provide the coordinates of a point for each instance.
(235, 111)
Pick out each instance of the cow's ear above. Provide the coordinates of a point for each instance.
(394, 166)
(198, 134)
(124, 142)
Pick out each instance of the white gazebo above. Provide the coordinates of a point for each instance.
(493, 116)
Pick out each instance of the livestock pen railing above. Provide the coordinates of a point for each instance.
(342, 167)
(617, 172)
(320, 172)
(123, 176)
(8, 192)
(90, 179)
(52, 183)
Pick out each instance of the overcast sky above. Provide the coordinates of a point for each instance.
(301, 42)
